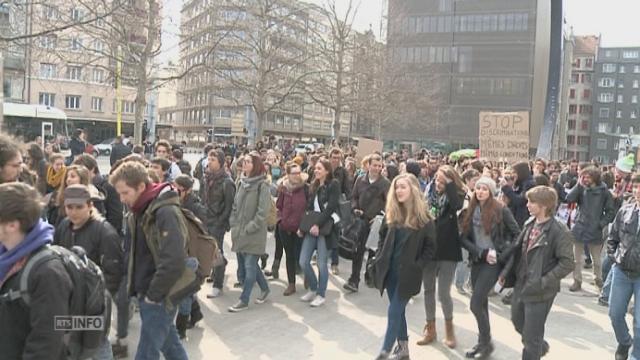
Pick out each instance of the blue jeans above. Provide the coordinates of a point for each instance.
(396, 319)
(240, 273)
(158, 333)
(252, 274)
(622, 288)
(104, 351)
(184, 307)
(607, 275)
(309, 244)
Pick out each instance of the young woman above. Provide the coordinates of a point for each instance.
(323, 199)
(407, 243)
(489, 229)
(249, 228)
(73, 175)
(445, 200)
(55, 172)
(291, 204)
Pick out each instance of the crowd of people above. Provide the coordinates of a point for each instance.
(424, 222)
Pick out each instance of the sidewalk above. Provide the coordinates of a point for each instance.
(351, 326)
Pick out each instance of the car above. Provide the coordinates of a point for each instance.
(300, 148)
(104, 148)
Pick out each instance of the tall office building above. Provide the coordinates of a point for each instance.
(616, 109)
(580, 96)
(501, 55)
(13, 24)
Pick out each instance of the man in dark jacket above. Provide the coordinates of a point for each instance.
(515, 190)
(368, 199)
(28, 332)
(623, 248)
(340, 175)
(85, 227)
(77, 145)
(118, 150)
(10, 160)
(541, 258)
(594, 213)
(157, 272)
(219, 193)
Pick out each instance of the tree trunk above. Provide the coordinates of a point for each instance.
(141, 91)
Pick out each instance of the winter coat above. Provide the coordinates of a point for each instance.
(595, 211)
(118, 151)
(517, 196)
(328, 198)
(102, 244)
(248, 216)
(218, 198)
(113, 208)
(418, 250)
(77, 147)
(371, 198)
(340, 174)
(291, 204)
(548, 261)
(447, 233)
(503, 235)
(625, 235)
(28, 332)
(192, 203)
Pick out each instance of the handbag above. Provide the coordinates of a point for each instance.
(312, 218)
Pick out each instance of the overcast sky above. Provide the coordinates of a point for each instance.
(615, 20)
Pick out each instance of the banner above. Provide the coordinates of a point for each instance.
(504, 136)
(366, 147)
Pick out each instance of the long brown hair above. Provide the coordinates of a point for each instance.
(83, 174)
(491, 214)
(449, 172)
(326, 164)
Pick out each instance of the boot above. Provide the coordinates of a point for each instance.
(263, 261)
(450, 337)
(196, 314)
(401, 352)
(429, 333)
(577, 285)
(181, 325)
(480, 351)
(290, 290)
(275, 268)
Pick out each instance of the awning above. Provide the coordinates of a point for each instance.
(33, 111)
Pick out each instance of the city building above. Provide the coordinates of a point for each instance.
(559, 148)
(581, 95)
(615, 125)
(13, 24)
(493, 57)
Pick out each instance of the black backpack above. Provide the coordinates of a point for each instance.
(350, 238)
(89, 296)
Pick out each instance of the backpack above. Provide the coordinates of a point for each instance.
(350, 238)
(272, 216)
(89, 296)
(201, 245)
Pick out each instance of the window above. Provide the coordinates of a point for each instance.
(77, 14)
(98, 46)
(605, 97)
(571, 139)
(635, 84)
(586, 78)
(584, 126)
(608, 68)
(572, 93)
(96, 104)
(572, 109)
(636, 69)
(76, 43)
(48, 41)
(634, 114)
(49, 12)
(607, 82)
(634, 99)
(604, 112)
(72, 102)
(601, 144)
(48, 71)
(621, 84)
(588, 62)
(630, 54)
(621, 69)
(576, 63)
(603, 128)
(583, 140)
(586, 94)
(48, 99)
(575, 78)
(609, 53)
(571, 125)
(97, 76)
(620, 99)
(74, 72)
(585, 109)
(618, 114)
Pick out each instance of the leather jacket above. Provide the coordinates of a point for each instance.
(624, 236)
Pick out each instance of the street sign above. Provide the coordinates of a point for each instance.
(504, 136)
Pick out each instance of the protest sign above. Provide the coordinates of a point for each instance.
(504, 136)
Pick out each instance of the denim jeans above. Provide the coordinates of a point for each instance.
(122, 302)
(253, 273)
(184, 307)
(104, 351)
(309, 244)
(218, 272)
(158, 333)
(622, 288)
(240, 273)
(396, 319)
(607, 276)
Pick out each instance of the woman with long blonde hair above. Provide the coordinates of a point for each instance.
(407, 243)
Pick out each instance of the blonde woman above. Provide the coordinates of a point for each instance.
(407, 242)
(72, 175)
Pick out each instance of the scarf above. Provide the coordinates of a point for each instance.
(437, 202)
(40, 235)
(54, 179)
(151, 192)
(211, 178)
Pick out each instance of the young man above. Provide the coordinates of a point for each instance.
(163, 150)
(218, 194)
(623, 248)
(85, 227)
(162, 168)
(28, 332)
(10, 160)
(368, 199)
(157, 272)
(542, 257)
(340, 174)
(119, 150)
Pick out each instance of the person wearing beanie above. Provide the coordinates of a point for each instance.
(623, 188)
(488, 231)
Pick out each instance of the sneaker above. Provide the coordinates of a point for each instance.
(318, 301)
(576, 286)
(120, 349)
(603, 302)
(335, 270)
(263, 297)
(238, 285)
(350, 286)
(239, 306)
(308, 296)
(587, 265)
(214, 293)
(622, 352)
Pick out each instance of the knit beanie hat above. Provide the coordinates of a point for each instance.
(626, 163)
(489, 183)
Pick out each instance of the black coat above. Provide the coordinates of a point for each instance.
(340, 174)
(596, 210)
(447, 233)
(503, 236)
(76, 146)
(28, 332)
(118, 151)
(101, 242)
(113, 208)
(328, 199)
(368, 197)
(517, 196)
(418, 249)
(218, 198)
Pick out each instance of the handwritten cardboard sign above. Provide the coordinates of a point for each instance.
(504, 136)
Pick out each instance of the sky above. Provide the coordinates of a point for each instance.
(615, 20)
